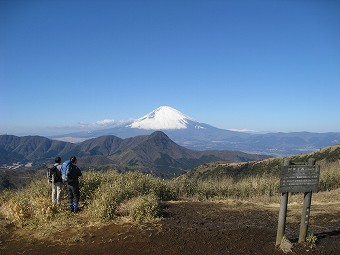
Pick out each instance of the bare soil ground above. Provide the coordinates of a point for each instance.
(224, 227)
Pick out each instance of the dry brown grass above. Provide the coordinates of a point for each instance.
(108, 195)
(286, 246)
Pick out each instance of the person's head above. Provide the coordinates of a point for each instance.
(58, 160)
(73, 160)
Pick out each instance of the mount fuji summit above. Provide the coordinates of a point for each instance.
(165, 118)
(187, 132)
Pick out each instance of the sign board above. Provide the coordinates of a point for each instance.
(299, 178)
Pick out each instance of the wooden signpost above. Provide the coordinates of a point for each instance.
(297, 177)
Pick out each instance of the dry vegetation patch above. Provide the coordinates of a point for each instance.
(139, 198)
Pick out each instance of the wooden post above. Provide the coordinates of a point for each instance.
(283, 213)
(306, 210)
(305, 217)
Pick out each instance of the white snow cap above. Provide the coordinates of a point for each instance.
(163, 117)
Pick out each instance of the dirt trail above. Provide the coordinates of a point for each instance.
(193, 228)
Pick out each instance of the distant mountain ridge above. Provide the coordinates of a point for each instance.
(155, 153)
(191, 134)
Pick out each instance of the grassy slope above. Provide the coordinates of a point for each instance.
(327, 158)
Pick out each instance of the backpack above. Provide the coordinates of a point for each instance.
(52, 173)
(66, 171)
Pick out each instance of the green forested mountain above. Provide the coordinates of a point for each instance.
(147, 153)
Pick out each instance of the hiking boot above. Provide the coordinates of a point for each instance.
(75, 207)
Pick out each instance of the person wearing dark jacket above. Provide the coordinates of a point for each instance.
(73, 185)
(56, 182)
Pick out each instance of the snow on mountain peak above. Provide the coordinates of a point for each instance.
(163, 117)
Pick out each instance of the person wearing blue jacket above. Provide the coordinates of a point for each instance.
(73, 185)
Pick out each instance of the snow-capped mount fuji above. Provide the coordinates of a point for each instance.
(181, 128)
(191, 134)
(164, 118)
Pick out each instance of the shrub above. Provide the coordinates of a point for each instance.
(91, 181)
(311, 241)
(113, 191)
(329, 178)
(29, 205)
(105, 202)
(143, 208)
(227, 187)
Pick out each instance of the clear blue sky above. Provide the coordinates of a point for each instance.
(257, 65)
